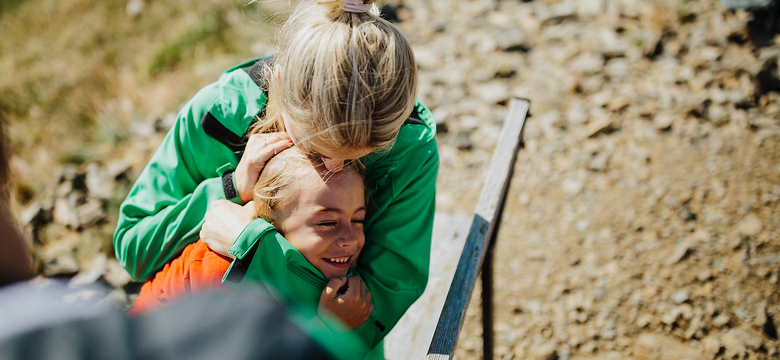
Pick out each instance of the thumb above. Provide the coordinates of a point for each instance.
(333, 286)
(250, 210)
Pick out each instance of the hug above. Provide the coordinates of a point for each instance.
(309, 176)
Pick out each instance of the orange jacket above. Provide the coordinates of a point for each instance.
(198, 268)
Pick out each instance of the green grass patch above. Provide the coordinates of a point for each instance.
(209, 32)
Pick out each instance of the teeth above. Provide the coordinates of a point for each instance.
(340, 260)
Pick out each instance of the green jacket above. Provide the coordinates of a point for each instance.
(290, 279)
(165, 208)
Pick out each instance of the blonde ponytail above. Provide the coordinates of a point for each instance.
(347, 79)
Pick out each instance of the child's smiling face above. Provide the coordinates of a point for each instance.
(325, 220)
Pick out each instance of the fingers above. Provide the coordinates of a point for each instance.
(259, 149)
(332, 288)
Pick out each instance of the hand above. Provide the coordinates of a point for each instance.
(352, 307)
(223, 223)
(259, 149)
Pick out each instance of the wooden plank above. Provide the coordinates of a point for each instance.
(411, 336)
(491, 200)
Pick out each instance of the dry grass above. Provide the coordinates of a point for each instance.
(78, 76)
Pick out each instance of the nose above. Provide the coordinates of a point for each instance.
(334, 165)
(347, 236)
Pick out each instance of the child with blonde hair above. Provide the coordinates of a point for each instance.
(341, 87)
(317, 228)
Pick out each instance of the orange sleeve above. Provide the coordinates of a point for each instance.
(196, 269)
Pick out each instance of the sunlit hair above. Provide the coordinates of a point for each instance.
(346, 79)
(287, 173)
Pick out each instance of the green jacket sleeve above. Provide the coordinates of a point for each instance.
(165, 207)
(164, 210)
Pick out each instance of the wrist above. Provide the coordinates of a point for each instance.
(230, 188)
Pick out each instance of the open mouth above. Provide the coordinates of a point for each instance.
(341, 262)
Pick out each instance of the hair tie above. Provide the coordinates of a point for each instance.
(355, 6)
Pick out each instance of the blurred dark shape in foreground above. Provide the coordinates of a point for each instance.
(48, 320)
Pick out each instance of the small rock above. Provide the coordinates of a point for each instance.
(90, 213)
(617, 68)
(587, 63)
(741, 314)
(32, 213)
(680, 251)
(115, 274)
(64, 264)
(652, 347)
(64, 214)
(761, 316)
(572, 187)
(599, 162)
(680, 296)
(134, 7)
(643, 320)
(513, 39)
(519, 351)
(617, 103)
(463, 141)
(663, 121)
(749, 226)
(712, 345)
(544, 351)
(747, 337)
(603, 125)
(671, 316)
(494, 92)
(92, 272)
(720, 320)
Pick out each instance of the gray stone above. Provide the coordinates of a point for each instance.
(511, 39)
(90, 213)
(64, 214)
(463, 141)
(587, 63)
(680, 296)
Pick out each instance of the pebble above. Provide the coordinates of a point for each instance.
(712, 345)
(720, 320)
(544, 351)
(749, 226)
(680, 296)
(652, 347)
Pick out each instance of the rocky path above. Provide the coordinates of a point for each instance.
(642, 221)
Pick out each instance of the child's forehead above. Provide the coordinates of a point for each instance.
(317, 183)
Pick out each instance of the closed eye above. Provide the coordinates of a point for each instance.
(359, 221)
(326, 223)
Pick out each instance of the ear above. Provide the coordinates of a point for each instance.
(278, 73)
